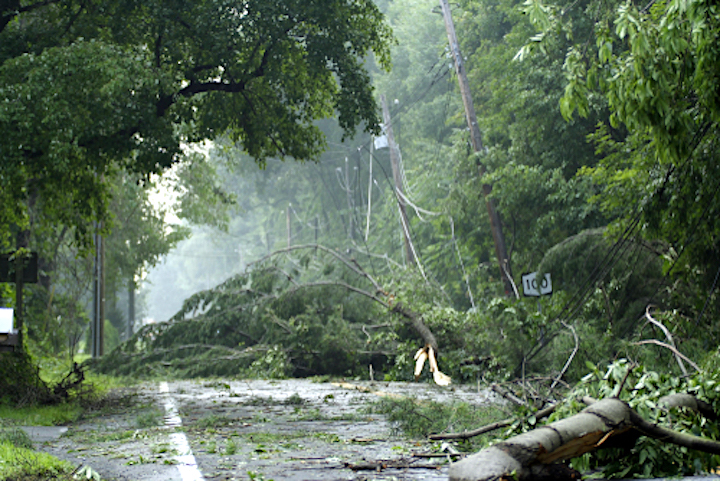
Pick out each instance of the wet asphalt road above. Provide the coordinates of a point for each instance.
(292, 430)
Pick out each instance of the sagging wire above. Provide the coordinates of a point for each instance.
(418, 210)
(305, 223)
(462, 264)
(411, 244)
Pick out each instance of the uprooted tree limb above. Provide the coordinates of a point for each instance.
(413, 319)
(537, 454)
(380, 295)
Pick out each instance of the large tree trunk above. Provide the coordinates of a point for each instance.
(533, 455)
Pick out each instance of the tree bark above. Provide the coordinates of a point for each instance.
(417, 324)
(533, 455)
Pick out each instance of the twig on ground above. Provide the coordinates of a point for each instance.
(390, 464)
(508, 395)
(438, 455)
(543, 413)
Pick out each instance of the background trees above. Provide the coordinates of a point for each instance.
(537, 162)
(617, 203)
(97, 97)
(95, 87)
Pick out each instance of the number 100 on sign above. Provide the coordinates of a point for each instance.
(535, 287)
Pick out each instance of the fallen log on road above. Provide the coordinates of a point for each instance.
(537, 454)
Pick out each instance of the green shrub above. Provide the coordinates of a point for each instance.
(23, 463)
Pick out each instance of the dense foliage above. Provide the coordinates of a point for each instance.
(97, 98)
(643, 389)
(91, 88)
(573, 201)
(600, 122)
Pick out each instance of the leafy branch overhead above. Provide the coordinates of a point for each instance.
(89, 88)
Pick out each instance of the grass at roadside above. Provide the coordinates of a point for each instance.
(26, 465)
(65, 412)
(56, 415)
(420, 419)
(18, 461)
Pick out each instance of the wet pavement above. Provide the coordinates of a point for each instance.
(292, 430)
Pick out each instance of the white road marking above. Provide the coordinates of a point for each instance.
(187, 466)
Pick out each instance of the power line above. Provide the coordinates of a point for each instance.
(578, 300)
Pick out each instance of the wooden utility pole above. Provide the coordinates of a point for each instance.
(397, 178)
(350, 204)
(131, 309)
(476, 138)
(98, 330)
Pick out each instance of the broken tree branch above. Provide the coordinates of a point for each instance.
(417, 324)
(689, 401)
(541, 414)
(352, 266)
(414, 319)
(567, 364)
(508, 395)
(532, 455)
(671, 348)
(668, 336)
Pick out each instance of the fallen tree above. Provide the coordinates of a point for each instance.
(653, 416)
(535, 455)
(303, 310)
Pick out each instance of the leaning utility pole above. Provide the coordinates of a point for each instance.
(397, 178)
(476, 137)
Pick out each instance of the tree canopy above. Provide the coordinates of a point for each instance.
(88, 88)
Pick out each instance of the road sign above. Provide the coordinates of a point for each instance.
(532, 287)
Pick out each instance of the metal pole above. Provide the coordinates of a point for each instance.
(370, 183)
(350, 204)
(101, 340)
(131, 309)
(22, 243)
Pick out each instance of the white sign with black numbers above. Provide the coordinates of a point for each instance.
(534, 287)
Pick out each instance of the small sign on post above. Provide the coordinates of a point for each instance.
(534, 287)
(8, 335)
(6, 320)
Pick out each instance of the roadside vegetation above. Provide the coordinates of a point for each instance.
(599, 121)
(20, 462)
(45, 393)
